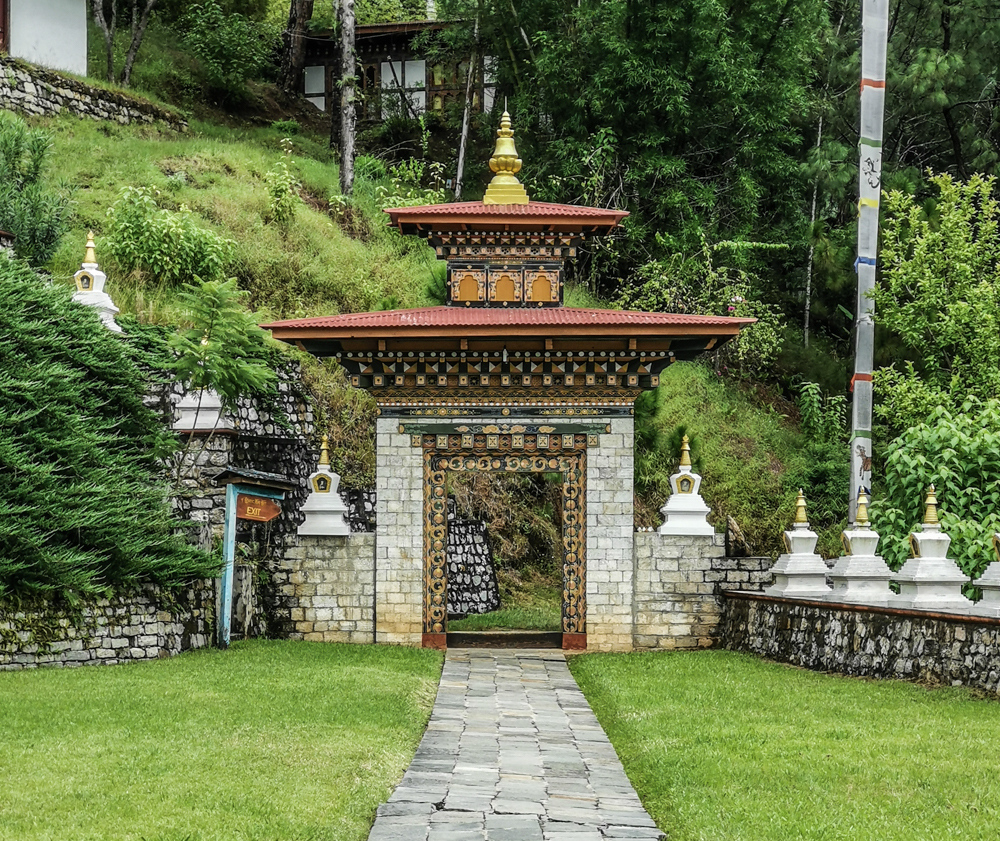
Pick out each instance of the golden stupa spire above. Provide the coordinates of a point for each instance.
(800, 510)
(861, 516)
(324, 452)
(505, 188)
(685, 452)
(930, 511)
(90, 255)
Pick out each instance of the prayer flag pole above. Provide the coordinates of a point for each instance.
(874, 39)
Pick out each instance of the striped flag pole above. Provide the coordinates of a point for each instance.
(875, 31)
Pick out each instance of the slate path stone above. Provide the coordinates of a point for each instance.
(512, 752)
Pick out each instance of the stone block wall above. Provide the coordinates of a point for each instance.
(326, 589)
(751, 574)
(34, 90)
(610, 528)
(399, 546)
(676, 590)
(145, 625)
(865, 641)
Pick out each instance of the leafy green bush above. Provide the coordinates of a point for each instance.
(34, 213)
(85, 506)
(283, 190)
(959, 453)
(230, 48)
(940, 294)
(699, 285)
(168, 246)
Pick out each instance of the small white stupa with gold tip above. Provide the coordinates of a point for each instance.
(90, 292)
(861, 576)
(324, 509)
(930, 580)
(989, 583)
(800, 572)
(685, 512)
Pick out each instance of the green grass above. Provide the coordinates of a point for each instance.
(531, 601)
(724, 746)
(315, 267)
(270, 740)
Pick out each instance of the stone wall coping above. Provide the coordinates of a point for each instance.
(964, 618)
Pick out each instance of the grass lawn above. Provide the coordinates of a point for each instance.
(270, 740)
(724, 746)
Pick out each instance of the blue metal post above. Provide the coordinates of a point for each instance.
(228, 557)
(229, 554)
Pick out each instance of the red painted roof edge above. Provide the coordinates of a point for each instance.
(381, 319)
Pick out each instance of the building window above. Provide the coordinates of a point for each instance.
(408, 81)
(315, 85)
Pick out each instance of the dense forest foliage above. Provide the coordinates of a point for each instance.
(728, 131)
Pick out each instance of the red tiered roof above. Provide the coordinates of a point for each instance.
(474, 215)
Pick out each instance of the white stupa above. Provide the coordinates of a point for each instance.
(800, 572)
(90, 292)
(989, 583)
(324, 509)
(685, 512)
(930, 580)
(860, 576)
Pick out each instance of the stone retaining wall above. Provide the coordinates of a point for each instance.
(146, 625)
(865, 641)
(326, 589)
(676, 606)
(33, 90)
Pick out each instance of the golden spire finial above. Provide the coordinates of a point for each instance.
(861, 516)
(930, 509)
(800, 510)
(89, 255)
(685, 452)
(324, 452)
(505, 188)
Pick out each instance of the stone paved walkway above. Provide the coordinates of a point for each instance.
(512, 752)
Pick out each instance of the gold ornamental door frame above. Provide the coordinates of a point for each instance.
(490, 449)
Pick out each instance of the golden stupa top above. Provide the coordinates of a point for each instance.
(505, 188)
(90, 255)
(685, 452)
(800, 509)
(930, 510)
(324, 452)
(861, 516)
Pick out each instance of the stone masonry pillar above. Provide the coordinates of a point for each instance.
(610, 524)
(399, 564)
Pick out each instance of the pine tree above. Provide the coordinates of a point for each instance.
(83, 495)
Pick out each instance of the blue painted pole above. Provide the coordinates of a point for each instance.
(228, 557)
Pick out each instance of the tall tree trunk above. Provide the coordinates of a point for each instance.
(294, 55)
(139, 24)
(348, 116)
(467, 113)
(812, 245)
(333, 71)
(108, 30)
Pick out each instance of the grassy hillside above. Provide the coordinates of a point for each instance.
(319, 264)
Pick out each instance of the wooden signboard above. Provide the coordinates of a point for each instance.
(256, 508)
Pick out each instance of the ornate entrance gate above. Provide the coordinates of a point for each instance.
(510, 449)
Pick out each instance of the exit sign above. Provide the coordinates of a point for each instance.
(256, 508)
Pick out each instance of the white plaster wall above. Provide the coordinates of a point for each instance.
(399, 543)
(52, 33)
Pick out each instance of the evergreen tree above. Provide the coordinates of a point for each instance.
(83, 495)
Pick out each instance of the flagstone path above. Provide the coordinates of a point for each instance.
(512, 752)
